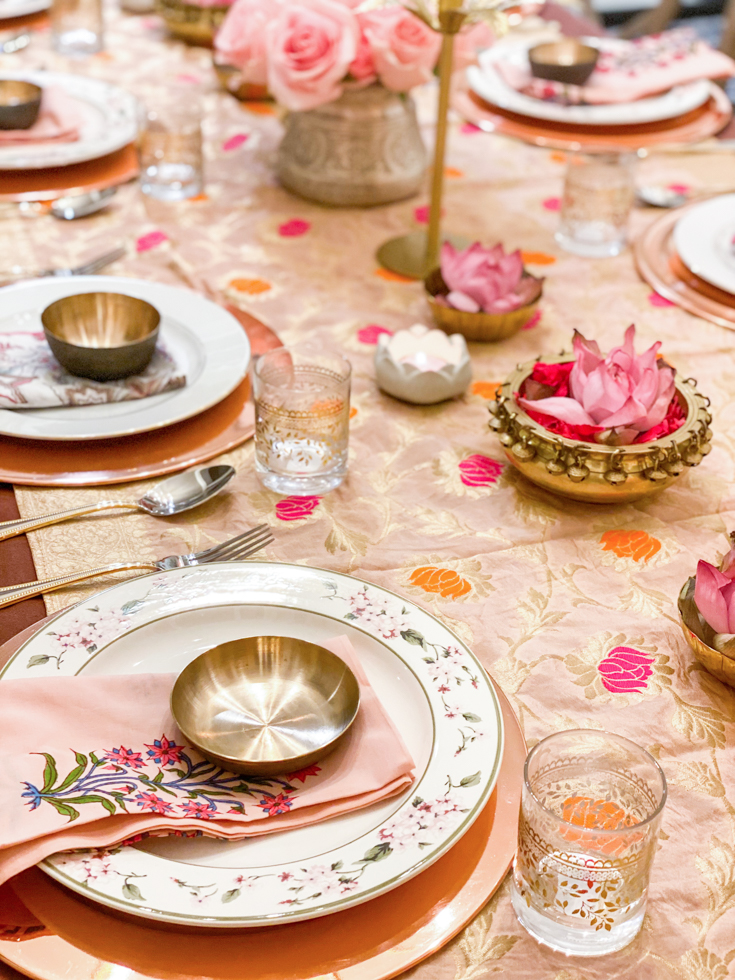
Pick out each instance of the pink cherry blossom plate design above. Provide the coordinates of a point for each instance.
(430, 683)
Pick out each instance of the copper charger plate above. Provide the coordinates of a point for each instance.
(659, 265)
(373, 941)
(78, 178)
(705, 121)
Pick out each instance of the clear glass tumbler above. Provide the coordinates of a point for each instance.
(170, 151)
(302, 414)
(77, 27)
(590, 816)
(599, 191)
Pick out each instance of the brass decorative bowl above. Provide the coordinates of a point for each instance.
(699, 635)
(567, 61)
(20, 103)
(190, 23)
(102, 336)
(590, 471)
(266, 704)
(478, 326)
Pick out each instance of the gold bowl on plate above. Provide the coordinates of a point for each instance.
(700, 636)
(101, 335)
(20, 103)
(266, 704)
(568, 61)
(594, 472)
(478, 326)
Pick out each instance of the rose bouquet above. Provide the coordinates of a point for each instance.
(308, 51)
(618, 399)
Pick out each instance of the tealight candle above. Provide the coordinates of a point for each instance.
(422, 366)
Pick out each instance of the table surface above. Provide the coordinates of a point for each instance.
(546, 592)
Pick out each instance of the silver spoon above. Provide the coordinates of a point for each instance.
(172, 496)
(80, 205)
(658, 196)
(15, 42)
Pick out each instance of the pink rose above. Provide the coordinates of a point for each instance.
(241, 39)
(405, 49)
(479, 471)
(468, 42)
(362, 68)
(623, 393)
(624, 670)
(311, 46)
(294, 508)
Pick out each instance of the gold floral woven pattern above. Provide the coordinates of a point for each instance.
(571, 607)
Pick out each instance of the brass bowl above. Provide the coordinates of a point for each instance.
(593, 472)
(190, 23)
(567, 61)
(20, 103)
(699, 636)
(477, 326)
(101, 335)
(266, 704)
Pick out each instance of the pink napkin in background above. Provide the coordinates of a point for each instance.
(59, 121)
(98, 745)
(632, 69)
(31, 377)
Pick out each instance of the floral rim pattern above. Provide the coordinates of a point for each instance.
(441, 806)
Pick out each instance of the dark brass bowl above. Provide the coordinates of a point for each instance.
(102, 335)
(20, 103)
(266, 704)
(567, 61)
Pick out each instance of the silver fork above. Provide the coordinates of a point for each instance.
(235, 549)
(89, 268)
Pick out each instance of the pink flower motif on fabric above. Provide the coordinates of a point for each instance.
(149, 801)
(552, 204)
(625, 670)
(146, 242)
(295, 508)
(236, 141)
(679, 188)
(533, 322)
(479, 471)
(469, 129)
(657, 300)
(294, 228)
(188, 79)
(421, 214)
(273, 805)
(124, 757)
(371, 333)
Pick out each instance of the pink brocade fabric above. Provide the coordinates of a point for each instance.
(124, 738)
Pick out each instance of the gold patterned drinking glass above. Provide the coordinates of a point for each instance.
(590, 816)
(599, 191)
(302, 413)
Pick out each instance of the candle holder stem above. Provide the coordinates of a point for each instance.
(437, 178)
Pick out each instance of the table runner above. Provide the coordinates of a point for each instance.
(571, 607)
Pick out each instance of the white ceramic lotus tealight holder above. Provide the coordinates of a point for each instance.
(422, 366)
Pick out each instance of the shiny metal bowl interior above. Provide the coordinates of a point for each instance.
(102, 335)
(567, 61)
(265, 704)
(20, 103)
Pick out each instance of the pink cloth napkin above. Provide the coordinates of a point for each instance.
(59, 121)
(95, 761)
(31, 377)
(633, 70)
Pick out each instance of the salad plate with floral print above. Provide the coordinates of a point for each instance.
(435, 691)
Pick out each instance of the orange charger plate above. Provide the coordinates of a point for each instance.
(373, 941)
(705, 121)
(78, 178)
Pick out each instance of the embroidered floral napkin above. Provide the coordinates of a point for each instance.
(59, 121)
(31, 377)
(632, 70)
(95, 761)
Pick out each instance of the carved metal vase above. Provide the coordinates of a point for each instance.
(363, 149)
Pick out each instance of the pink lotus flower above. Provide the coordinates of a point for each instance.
(714, 593)
(624, 394)
(241, 39)
(311, 45)
(404, 48)
(485, 279)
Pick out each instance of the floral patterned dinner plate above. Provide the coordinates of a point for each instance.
(434, 689)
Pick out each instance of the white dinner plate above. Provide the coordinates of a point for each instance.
(204, 339)
(487, 82)
(109, 121)
(703, 238)
(434, 689)
(21, 8)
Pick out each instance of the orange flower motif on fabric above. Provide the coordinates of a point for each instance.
(327, 406)
(250, 286)
(392, 276)
(596, 815)
(353, 412)
(486, 389)
(453, 172)
(638, 545)
(444, 581)
(538, 258)
(259, 108)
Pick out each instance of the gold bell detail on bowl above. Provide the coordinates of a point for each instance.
(595, 466)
